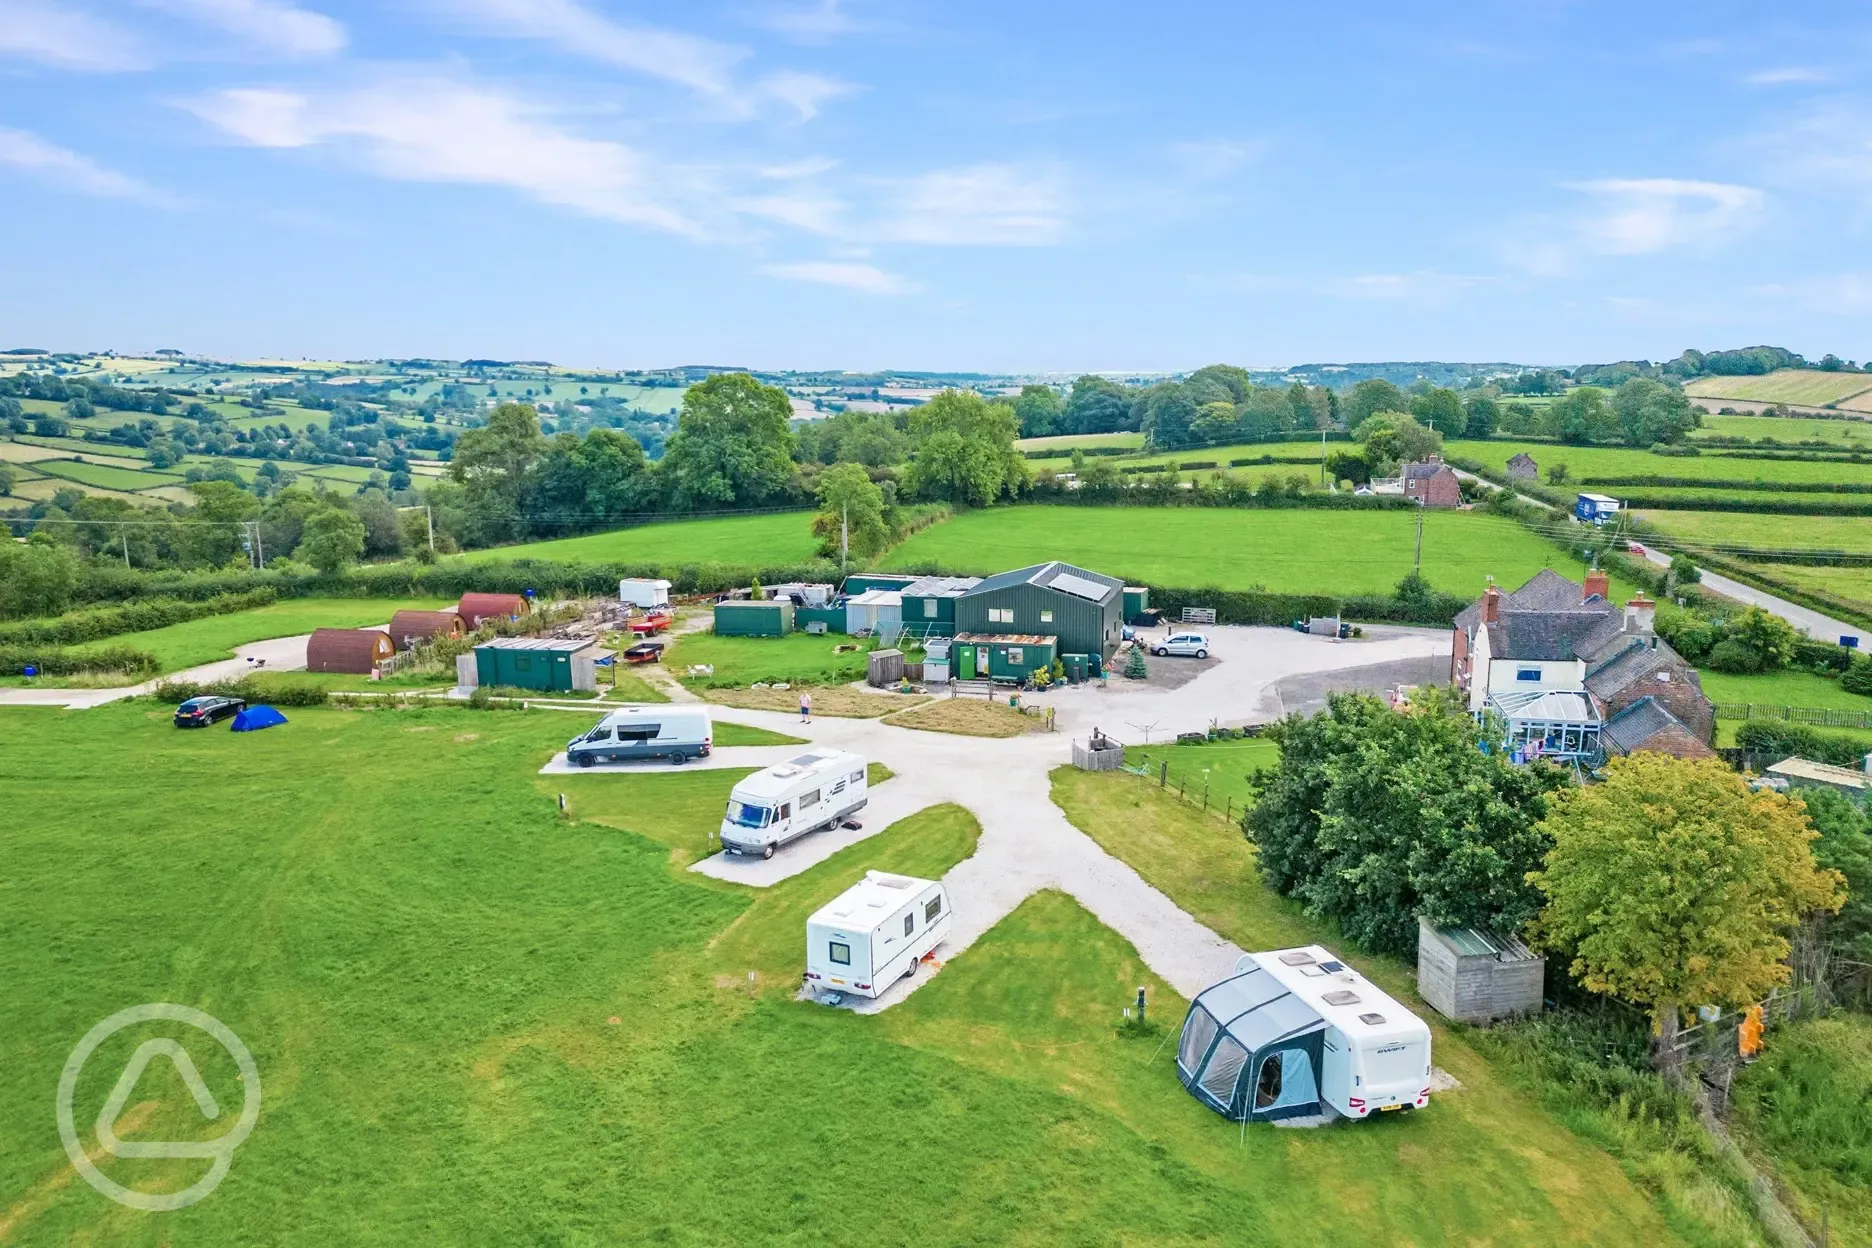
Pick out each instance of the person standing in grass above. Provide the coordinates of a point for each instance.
(805, 707)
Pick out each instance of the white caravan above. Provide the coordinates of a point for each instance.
(875, 933)
(1376, 1053)
(786, 801)
(644, 593)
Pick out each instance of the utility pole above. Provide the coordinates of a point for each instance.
(844, 535)
(1322, 457)
(123, 535)
(429, 520)
(1417, 565)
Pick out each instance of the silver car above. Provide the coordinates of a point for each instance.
(1183, 645)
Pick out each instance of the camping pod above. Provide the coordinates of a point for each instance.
(354, 651)
(478, 609)
(419, 628)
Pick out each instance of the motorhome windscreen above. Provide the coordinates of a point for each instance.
(743, 815)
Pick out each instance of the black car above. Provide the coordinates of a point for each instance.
(200, 712)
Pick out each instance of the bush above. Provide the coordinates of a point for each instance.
(1858, 677)
(1734, 657)
(1820, 657)
(51, 661)
(78, 627)
(284, 694)
(1772, 740)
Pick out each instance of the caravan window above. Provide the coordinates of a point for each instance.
(933, 909)
(809, 798)
(909, 922)
(840, 952)
(638, 732)
(857, 777)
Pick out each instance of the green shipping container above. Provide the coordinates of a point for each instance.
(1136, 600)
(753, 619)
(528, 663)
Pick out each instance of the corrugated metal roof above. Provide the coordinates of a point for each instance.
(1474, 942)
(1006, 639)
(1821, 773)
(560, 645)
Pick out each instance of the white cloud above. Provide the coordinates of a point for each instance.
(436, 130)
(865, 278)
(278, 27)
(1787, 75)
(1639, 216)
(700, 64)
(802, 91)
(996, 205)
(810, 167)
(820, 214)
(64, 37)
(811, 23)
(68, 171)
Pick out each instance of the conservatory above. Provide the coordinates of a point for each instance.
(1252, 1049)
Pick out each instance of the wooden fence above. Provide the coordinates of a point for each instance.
(1818, 716)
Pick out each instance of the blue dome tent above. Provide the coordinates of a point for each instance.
(255, 718)
(1252, 1049)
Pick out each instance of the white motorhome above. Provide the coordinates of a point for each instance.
(1376, 1054)
(644, 593)
(678, 733)
(784, 802)
(875, 933)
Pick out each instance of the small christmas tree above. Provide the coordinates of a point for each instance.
(1134, 668)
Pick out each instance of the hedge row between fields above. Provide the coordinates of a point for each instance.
(77, 627)
(1715, 483)
(59, 661)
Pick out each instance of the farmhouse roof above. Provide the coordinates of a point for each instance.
(1521, 459)
(1551, 635)
(1546, 590)
(1424, 471)
(1646, 725)
(1632, 663)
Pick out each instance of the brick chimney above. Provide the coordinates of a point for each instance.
(1640, 612)
(1598, 585)
(1491, 605)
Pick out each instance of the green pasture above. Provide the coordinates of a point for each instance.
(1728, 498)
(757, 541)
(1300, 448)
(1221, 768)
(214, 637)
(1286, 550)
(80, 446)
(1804, 386)
(1782, 689)
(106, 476)
(1066, 443)
(1849, 434)
(1852, 584)
(1584, 463)
(798, 658)
(476, 1021)
(1771, 532)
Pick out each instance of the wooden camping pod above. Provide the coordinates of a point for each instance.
(477, 609)
(355, 651)
(415, 628)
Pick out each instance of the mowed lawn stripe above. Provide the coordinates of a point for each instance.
(758, 541)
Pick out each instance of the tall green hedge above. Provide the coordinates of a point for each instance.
(77, 627)
(58, 661)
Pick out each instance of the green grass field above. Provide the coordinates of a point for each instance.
(1218, 455)
(1065, 442)
(1763, 531)
(214, 637)
(1807, 1104)
(1222, 767)
(757, 541)
(477, 1022)
(106, 476)
(1804, 386)
(1849, 434)
(1783, 689)
(1852, 584)
(1586, 463)
(1289, 551)
(798, 658)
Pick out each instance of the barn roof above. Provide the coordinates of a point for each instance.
(1064, 577)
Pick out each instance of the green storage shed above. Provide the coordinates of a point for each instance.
(1136, 601)
(929, 604)
(749, 618)
(544, 663)
(1083, 609)
(1000, 656)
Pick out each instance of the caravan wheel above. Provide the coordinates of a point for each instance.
(914, 963)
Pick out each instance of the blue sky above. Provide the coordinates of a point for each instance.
(865, 183)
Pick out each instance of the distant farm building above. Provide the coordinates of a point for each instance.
(1523, 468)
(1801, 773)
(478, 609)
(418, 628)
(1082, 610)
(1432, 483)
(353, 651)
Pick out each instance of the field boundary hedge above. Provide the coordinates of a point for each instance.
(61, 661)
(1717, 483)
(1753, 506)
(77, 627)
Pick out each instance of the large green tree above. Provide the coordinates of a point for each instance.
(331, 540)
(1374, 394)
(1096, 406)
(1441, 410)
(1649, 412)
(851, 509)
(1393, 438)
(1580, 417)
(1166, 414)
(1672, 884)
(1040, 411)
(37, 577)
(733, 445)
(1844, 845)
(963, 450)
(1376, 816)
(1219, 383)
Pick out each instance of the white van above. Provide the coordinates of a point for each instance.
(875, 933)
(786, 801)
(1376, 1054)
(678, 733)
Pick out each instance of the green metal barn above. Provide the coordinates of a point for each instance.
(748, 618)
(1083, 610)
(929, 605)
(988, 656)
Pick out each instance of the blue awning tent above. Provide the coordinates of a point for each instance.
(1251, 1049)
(255, 718)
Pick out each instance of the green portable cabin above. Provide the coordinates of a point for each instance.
(749, 618)
(858, 582)
(929, 604)
(1083, 610)
(544, 663)
(1136, 600)
(996, 656)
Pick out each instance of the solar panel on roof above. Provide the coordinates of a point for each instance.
(1080, 587)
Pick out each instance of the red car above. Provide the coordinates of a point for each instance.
(652, 622)
(645, 652)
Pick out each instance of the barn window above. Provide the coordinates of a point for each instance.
(1015, 656)
(1000, 615)
(1046, 617)
(929, 608)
